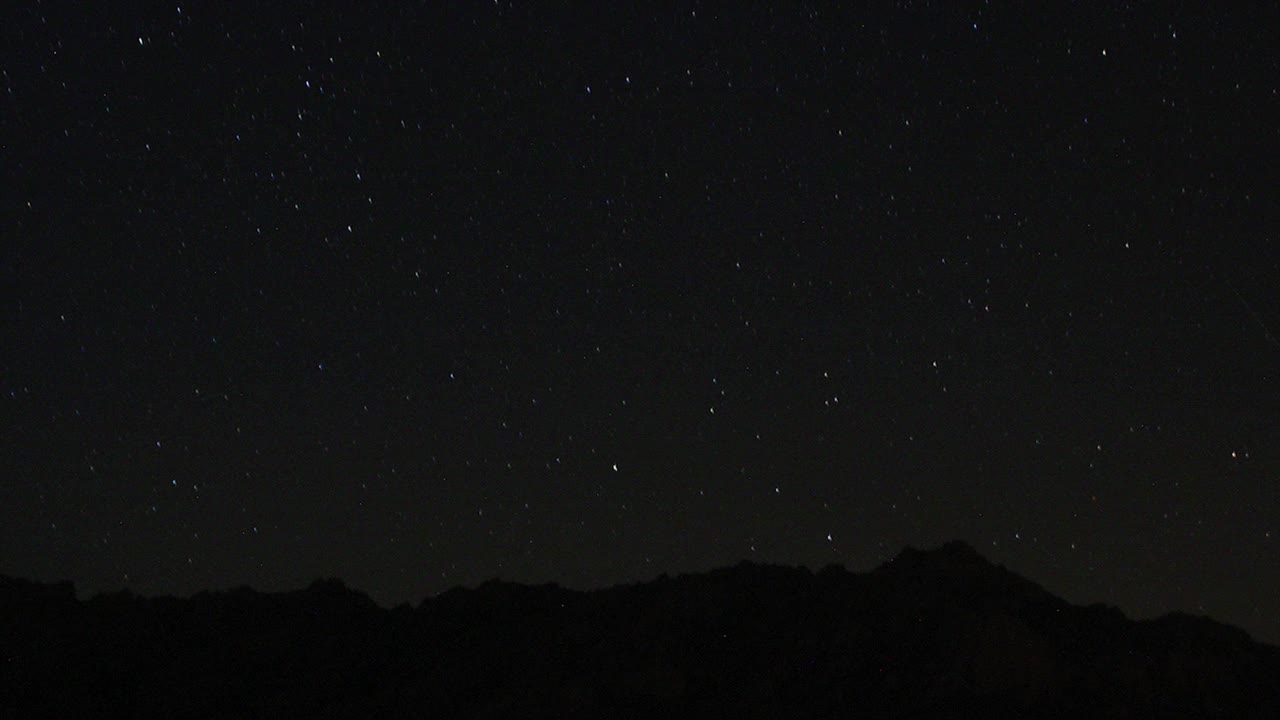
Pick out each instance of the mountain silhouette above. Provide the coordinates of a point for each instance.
(941, 633)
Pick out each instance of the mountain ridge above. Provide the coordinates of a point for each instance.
(930, 634)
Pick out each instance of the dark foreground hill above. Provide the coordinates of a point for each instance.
(938, 634)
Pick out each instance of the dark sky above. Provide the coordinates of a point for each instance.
(420, 294)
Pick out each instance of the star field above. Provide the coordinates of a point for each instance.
(418, 296)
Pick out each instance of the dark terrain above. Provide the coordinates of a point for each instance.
(935, 634)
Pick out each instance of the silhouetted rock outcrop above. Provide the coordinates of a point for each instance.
(931, 634)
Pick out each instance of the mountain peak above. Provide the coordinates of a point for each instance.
(954, 555)
(957, 563)
(957, 550)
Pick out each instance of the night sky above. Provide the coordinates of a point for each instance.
(421, 294)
